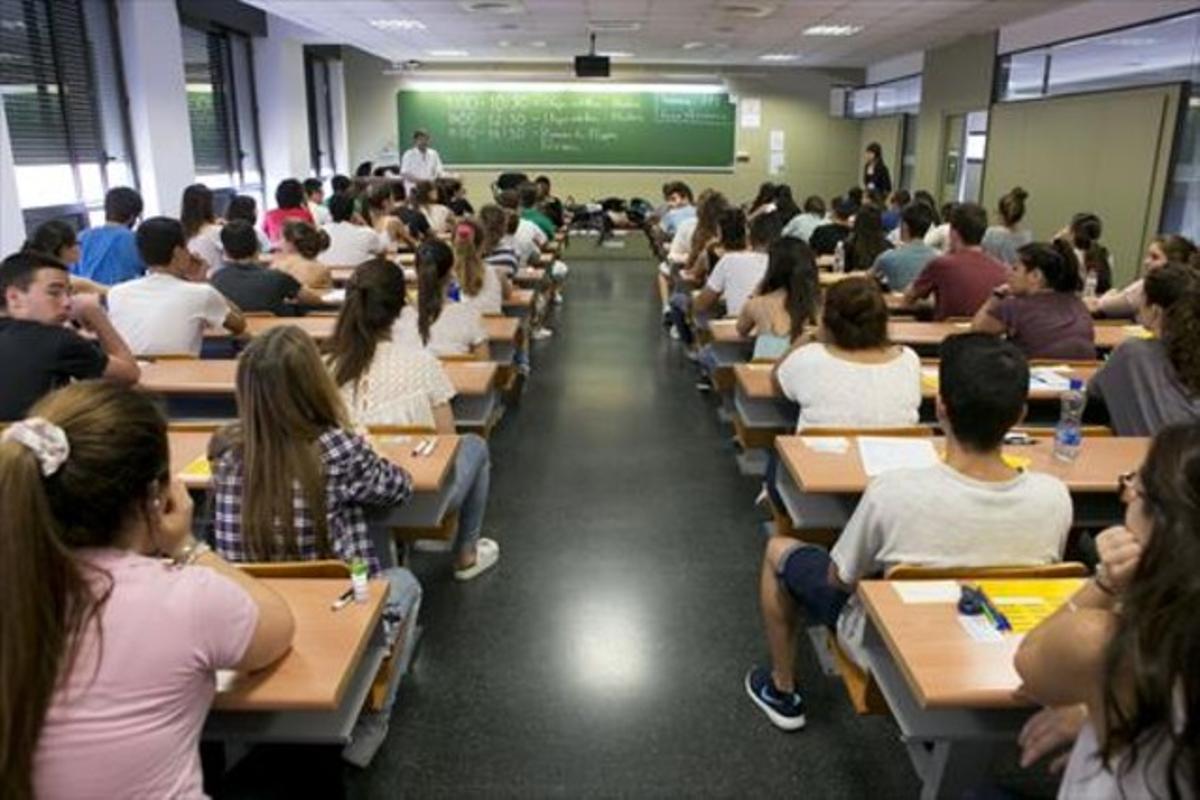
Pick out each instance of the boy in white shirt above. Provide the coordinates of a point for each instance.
(971, 510)
(167, 311)
(741, 269)
(350, 244)
(314, 192)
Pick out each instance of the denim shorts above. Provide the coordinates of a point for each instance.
(805, 573)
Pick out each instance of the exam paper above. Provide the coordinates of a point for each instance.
(882, 454)
(927, 591)
(334, 297)
(826, 444)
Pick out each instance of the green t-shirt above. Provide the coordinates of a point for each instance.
(539, 219)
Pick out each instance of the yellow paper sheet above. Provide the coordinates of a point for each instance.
(199, 468)
(1026, 603)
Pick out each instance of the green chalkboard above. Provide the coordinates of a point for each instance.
(608, 130)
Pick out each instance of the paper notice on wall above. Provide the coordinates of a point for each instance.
(775, 163)
(751, 108)
(776, 141)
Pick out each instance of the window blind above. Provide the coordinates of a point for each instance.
(204, 55)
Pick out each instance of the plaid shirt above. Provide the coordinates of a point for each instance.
(354, 477)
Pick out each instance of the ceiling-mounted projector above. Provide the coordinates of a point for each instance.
(592, 65)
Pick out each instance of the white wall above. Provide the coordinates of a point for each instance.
(898, 67)
(12, 224)
(1082, 19)
(282, 105)
(152, 55)
(337, 102)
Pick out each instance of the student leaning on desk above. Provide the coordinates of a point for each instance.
(1117, 665)
(108, 654)
(972, 510)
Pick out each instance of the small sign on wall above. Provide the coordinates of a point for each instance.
(751, 112)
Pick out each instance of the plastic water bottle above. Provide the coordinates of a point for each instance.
(839, 257)
(1068, 434)
(1090, 281)
(358, 581)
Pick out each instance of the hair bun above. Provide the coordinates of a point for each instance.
(1019, 193)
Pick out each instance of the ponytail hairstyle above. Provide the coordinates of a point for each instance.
(308, 240)
(1151, 686)
(1086, 229)
(1057, 263)
(792, 267)
(708, 214)
(374, 298)
(286, 399)
(766, 194)
(867, 239)
(196, 209)
(52, 598)
(435, 265)
(1012, 206)
(494, 221)
(1175, 288)
(468, 264)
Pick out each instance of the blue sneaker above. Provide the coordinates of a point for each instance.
(786, 711)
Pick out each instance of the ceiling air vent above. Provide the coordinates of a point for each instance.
(492, 6)
(748, 10)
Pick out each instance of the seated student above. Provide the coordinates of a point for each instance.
(689, 245)
(480, 285)
(1040, 312)
(314, 195)
(528, 239)
(298, 256)
(108, 254)
(350, 242)
(252, 286)
(110, 654)
(167, 311)
(679, 208)
(890, 217)
(1002, 241)
(291, 454)
(854, 376)
(454, 195)
(201, 227)
(243, 207)
(527, 198)
(397, 215)
(1116, 664)
(291, 204)
(962, 280)
(866, 240)
(440, 323)
(741, 266)
(384, 382)
(784, 303)
(825, 237)
(1147, 384)
(547, 203)
(897, 268)
(37, 348)
(425, 199)
(803, 224)
(497, 248)
(57, 239)
(972, 510)
(338, 184)
(763, 202)
(1128, 302)
(1095, 262)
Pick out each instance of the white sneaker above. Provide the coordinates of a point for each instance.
(558, 299)
(543, 333)
(674, 333)
(487, 553)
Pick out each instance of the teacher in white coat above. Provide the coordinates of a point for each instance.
(420, 162)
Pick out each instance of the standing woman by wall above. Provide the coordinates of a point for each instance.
(876, 177)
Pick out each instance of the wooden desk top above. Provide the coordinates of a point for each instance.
(520, 298)
(1101, 460)
(327, 648)
(217, 376)
(943, 666)
(725, 331)
(932, 333)
(530, 275)
(754, 380)
(502, 329)
(428, 472)
(321, 327)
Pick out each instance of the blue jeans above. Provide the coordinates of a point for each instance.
(469, 492)
(804, 572)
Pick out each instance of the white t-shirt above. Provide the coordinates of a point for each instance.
(833, 392)
(528, 241)
(457, 330)
(401, 387)
(160, 314)
(735, 278)
(490, 300)
(351, 245)
(320, 214)
(207, 245)
(681, 242)
(938, 237)
(417, 166)
(936, 516)
(438, 217)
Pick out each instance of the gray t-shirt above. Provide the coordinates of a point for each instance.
(1143, 393)
(899, 267)
(1002, 244)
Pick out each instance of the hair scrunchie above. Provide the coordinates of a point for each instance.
(464, 232)
(44, 439)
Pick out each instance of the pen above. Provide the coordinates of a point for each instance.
(416, 451)
(430, 446)
(994, 615)
(343, 600)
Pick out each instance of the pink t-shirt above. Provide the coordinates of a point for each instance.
(130, 726)
(277, 218)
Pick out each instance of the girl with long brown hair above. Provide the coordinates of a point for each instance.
(108, 656)
(1129, 301)
(201, 228)
(292, 481)
(441, 322)
(481, 285)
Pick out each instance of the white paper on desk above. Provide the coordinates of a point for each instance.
(826, 444)
(979, 629)
(927, 591)
(1048, 378)
(334, 296)
(882, 454)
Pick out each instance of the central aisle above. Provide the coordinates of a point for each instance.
(605, 655)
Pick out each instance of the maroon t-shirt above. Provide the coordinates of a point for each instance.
(960, 282)
(1048, 325)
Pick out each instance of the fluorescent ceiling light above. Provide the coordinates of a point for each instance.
(832, 30)
(398, 24)
(538, 43)
(694, 45)
(448, 53)
(615, 54)
(778, 57)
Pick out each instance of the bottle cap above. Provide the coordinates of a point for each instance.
(1076, 384)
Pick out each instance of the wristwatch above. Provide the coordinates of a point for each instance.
(190, 553)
